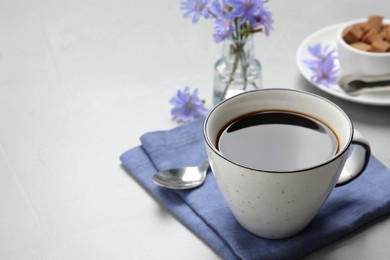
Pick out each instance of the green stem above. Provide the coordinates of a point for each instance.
(238, 47)
(231, 77)
(244, 67)
(240, 56)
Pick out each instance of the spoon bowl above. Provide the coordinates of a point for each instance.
(182, 178)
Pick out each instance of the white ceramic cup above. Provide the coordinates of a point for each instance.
(277, 204)
(358, 62)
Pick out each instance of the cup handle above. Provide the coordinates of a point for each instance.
(357, 160)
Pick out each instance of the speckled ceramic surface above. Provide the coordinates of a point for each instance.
(278, 204)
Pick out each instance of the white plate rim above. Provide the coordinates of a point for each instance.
(369, 99)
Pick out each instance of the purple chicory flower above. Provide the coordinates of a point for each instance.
(187, 107)
(264, 18)
(223, 28)
(320, 53)
(317, 51)
(233, 18)
(245, 9)
(223, 25)
(326, 73)
(218, 8)
(196, 9)
(323, 65)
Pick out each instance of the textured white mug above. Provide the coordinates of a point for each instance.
(279, 204)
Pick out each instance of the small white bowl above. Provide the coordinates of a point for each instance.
(354, 61)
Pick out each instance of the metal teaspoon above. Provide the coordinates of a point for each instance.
(358, 84)
(182, 178)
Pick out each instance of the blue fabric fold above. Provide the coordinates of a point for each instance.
(204, 211)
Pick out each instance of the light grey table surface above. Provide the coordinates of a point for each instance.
(81, 80)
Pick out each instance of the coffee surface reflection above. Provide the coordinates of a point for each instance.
(277, 141)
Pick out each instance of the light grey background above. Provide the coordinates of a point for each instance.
(81, 80)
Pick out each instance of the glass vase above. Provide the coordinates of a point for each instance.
(237, 70)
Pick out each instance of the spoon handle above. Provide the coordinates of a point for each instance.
(355, 84)
(384, 83)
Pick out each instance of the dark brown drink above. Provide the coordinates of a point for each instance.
(277, 141)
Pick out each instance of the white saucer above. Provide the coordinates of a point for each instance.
(326, 36)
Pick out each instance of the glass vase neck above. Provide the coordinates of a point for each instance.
(233, 48)
(237, 70)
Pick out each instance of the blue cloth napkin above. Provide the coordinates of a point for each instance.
(205, 212)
